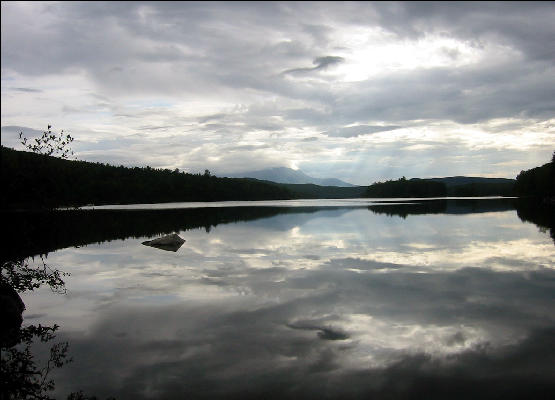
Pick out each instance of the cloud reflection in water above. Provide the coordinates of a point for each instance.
(341, 304)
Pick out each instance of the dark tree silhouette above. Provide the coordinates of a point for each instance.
(38, 181)
(22, 377)
(538, 182)
(50, 144)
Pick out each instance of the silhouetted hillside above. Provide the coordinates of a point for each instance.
(310, 191)
(539, 181)
(30, 180)
(455, 186)
(452, 181)
(470, 186)
(407, 188)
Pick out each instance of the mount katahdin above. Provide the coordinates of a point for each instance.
(288, 175)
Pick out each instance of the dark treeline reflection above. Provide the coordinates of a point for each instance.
(528, 210)
(441, 206)
(539, 213)
(69, 228)
(27, 234)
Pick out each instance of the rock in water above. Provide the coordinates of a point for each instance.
(169, 242)
(12, 316)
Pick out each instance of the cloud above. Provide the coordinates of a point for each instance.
(234, 73)
(10, 135)
(242, 310)
(27, 90)
(321, 63)
(221, 351)
(358, 130)
(324, 333)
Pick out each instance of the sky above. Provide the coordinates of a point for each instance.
(362, 91)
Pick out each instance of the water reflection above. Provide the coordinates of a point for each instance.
(327, 303)
(442, 206)
(539, 213)
(23, 376)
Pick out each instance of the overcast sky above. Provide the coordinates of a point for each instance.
(356, 91)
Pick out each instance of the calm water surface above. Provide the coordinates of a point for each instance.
(449, 299)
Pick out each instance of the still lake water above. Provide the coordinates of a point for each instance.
(431, 299)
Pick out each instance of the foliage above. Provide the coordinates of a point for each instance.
(477, 189)
(312, 191)
(34, 181)
(81, 396)
(21, 377)
(407, 188)
(538, 181)
(538, 212)
(442, 206)
(21, 277)
(49, 144)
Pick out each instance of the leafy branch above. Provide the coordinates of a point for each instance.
(20, 276)
(49, 143)
(22, 378)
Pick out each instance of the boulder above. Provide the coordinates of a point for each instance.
(12, 315)
(169, 242)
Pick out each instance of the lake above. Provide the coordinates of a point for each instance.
(308, 299)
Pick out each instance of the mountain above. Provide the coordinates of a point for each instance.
(288, 175)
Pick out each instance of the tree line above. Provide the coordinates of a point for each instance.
(38, 180)
(32, 180)
(403, 187)
(538, 181)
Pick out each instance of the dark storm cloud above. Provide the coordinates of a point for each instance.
(324, 333)
(524, 25)
(354, 131)
(246, 147)
(321, 63)
(213, 117)
(154, 127)
(26, 90)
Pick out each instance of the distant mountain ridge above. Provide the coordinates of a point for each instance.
(288, 175)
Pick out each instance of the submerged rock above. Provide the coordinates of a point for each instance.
(169, 242)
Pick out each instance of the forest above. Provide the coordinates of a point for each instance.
(407, 188)
(32, 180)
(454, 186)
(538, 181)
